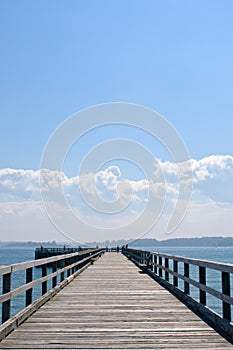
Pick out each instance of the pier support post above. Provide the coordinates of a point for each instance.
(175, 269)
(166, 272)
(29, 291)
(202, 280)
(6, 305)
(54, 267)
(160, 268)
(226, 289)
(186, 274)
(44, 284)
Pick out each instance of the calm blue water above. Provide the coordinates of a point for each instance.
(12, 256)
(221, 254)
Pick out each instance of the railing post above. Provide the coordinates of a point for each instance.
(186, 274)
(160, 269)
(6, 305)
(151, 261)
(148, 260)
(75, 260)
(73, 268)
(54, 280)
(62, 262)
(175, 269)
(44, 284)
(144, 258)
(155, 264)
(202, 280)
(166, 272)
(226, 289)
(68, 263)
(29, 291)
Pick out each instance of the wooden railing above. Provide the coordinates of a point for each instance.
(42, 252)
(66, 266)
(169, 270)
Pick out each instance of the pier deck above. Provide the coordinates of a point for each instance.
(112, 304)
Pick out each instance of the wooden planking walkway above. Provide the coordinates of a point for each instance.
(113, 305)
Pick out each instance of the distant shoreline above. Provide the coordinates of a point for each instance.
(173, 242)
(145, 242)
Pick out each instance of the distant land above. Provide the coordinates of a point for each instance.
(30, 244)
(140, 243)
(173, 242)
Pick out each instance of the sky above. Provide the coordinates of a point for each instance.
(58, 58)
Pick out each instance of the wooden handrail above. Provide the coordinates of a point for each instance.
(157, 265)
(35, 263)
(70, 263)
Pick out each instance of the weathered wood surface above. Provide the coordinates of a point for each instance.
(113, 305)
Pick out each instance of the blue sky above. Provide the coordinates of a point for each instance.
(59, 57)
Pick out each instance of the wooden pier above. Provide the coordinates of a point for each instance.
(41, 253)
(114, 304)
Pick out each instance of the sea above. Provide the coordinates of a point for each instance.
(219, 254)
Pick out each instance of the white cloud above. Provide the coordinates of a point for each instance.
(212, 176)
(211, 208)
(106, 182)
(19, 185)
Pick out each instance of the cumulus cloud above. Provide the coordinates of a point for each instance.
(19, 185)
(20, 196)
(106, 182)
(212, 176)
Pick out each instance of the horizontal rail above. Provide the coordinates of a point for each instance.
(59, 250)
(43, 252)
(69, 263)
(158, 265)
(36, 263)
(200, 286)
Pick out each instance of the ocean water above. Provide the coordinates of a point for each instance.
(12, 256)
(220, 254)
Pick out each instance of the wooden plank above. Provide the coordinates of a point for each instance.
(42, 280)
(113, 305)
